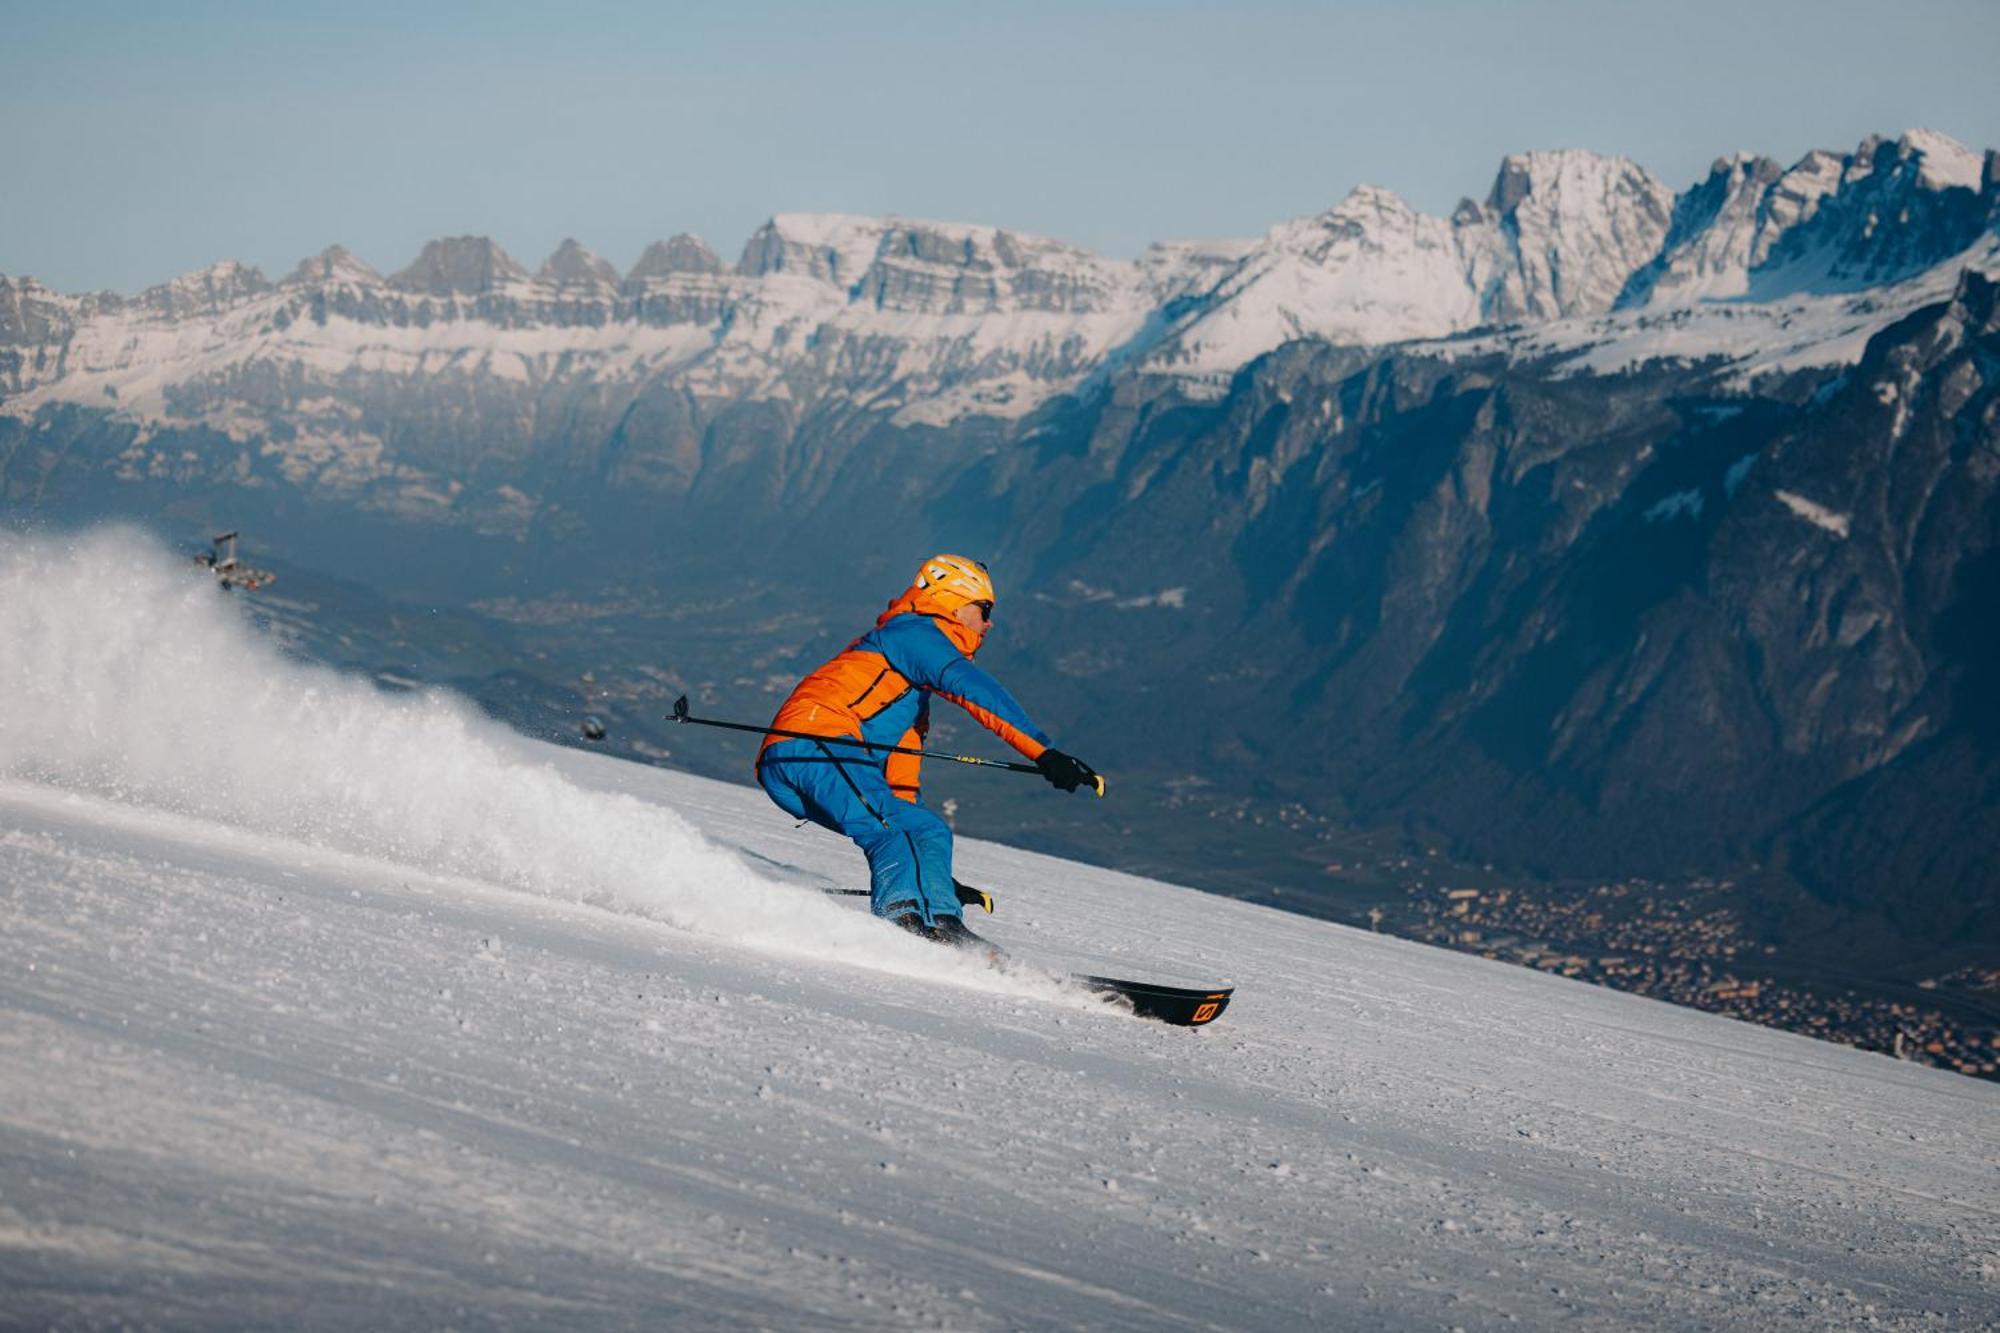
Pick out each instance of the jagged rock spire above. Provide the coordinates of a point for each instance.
(574, 266)
(459, 265)
(685, 253)
(336, 263)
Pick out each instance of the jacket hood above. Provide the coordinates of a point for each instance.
(926, 602)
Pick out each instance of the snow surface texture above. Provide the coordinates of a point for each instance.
(326, 1008)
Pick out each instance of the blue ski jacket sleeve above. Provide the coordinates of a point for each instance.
(917, 650)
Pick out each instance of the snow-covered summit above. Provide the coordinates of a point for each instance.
(1944, 163)
(1900, 206)
(1565, 231)
(1559, 235)
(1721, 229)
(920, 267)
(1370, 269)
(1571, 235)
(1831, 223)
(572, 268)
(208, 291)
(832, 247)
(683, 253)
(333, 266)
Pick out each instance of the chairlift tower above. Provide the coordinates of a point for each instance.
(221, 561)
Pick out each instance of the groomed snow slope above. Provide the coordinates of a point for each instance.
(321, 1008)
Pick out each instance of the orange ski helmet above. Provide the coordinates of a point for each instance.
(947, 582)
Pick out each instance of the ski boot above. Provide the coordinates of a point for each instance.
(913, 923)
(952, 930)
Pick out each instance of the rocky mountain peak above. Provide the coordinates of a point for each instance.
(205, 291)
(336, 263)
(574, 266)
(1799, 192)
(1368, 220)
(1370, 203)
(957, 268)
(1576, 175)
(459, 266)
(835, 248)
(29, 314)
(1574, 226)
(1721, 229)
(684, 253)
(1891, 208)
(1572, 178)
(1510, 185)
(1753, 168)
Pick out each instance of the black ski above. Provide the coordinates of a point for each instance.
(1166, 1004)
(1177, 1005)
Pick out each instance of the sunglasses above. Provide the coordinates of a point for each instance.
(985, 611)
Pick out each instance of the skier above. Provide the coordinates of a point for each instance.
(878, 690)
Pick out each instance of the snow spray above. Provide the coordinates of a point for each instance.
(126, 674)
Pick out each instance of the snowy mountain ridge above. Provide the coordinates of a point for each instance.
(1564, 238)
(1557, 236)
(328, 1008)
(939, 321)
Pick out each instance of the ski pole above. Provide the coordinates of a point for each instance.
(681, 714)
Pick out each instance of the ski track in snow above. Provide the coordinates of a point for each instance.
(425, 1062)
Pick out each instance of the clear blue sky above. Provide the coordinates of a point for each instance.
(144, 140)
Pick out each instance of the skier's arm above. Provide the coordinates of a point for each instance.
(922, 655)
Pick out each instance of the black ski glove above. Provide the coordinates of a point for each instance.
(1068, 772)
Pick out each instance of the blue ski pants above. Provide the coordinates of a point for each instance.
(908, 847)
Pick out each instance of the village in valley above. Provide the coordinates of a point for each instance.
(1688, 947)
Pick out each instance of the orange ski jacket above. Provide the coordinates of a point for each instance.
(878, 689)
